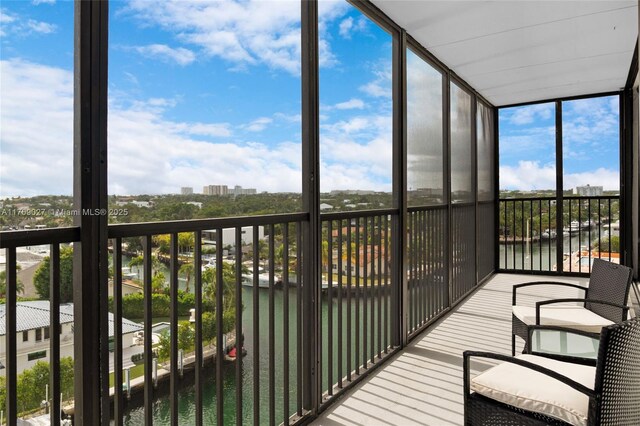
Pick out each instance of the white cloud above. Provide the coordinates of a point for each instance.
(14, 24)
(528, 114)
(531, 175)
(244, 33)
(289, 118)
(37, 2)
(36, 135)
(259, 124)
(380, 86)
(179, 55)
(353, 103)
(147, 153)
(356, 153)
(6, 18)
(349, 26)
(40, 27)
(528, 175)
(150, 154)
(608, 179)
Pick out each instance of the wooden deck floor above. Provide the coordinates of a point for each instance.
(423, 384)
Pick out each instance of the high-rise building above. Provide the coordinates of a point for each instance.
(588, 191)
(238, 190)
(186, 190)
(215, 190)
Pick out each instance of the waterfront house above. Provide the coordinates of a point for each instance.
(34, 332)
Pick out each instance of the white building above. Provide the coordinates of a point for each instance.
(588, 191)
(325, 206)
(145, 204)
(33, 333)
(229, 235)
(215, 190)
(186, 190)
(195, 203)
(238, 190)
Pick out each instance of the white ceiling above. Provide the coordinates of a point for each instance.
(523, 51)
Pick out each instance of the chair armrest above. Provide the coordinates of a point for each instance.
(535, 367)
(517, 286)
(598, 302)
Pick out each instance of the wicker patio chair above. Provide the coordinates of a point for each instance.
(536, 390)
(604, 303)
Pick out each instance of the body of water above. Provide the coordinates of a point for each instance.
(161, 407)
(541, 255)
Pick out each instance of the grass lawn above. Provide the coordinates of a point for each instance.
(135, 371)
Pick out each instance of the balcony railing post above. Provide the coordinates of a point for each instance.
(91, 382)
(311, 203)
(399, 291)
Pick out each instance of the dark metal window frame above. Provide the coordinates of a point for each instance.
(624, 143)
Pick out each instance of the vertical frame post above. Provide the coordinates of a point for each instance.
(626, 176)
(310, 203)
(474, 179)
(399, 290)
(559, 189)
(446, 129)
(91, 381)
(495, 120)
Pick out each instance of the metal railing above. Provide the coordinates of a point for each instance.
(282, 254)
(530, 241)
(356, 291)
(427, 275)
(250, 301)
(11, 241)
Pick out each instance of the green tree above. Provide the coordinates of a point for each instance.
(33, 381)
(186, 241)
(228, 285)
(136, 262)
(3, 283)
(163, 242)
(164, 345)
(186, 340)
(158, 283)
(208, 326)
(41, 276)
(187, 270)
(608, 244)
(186, 336)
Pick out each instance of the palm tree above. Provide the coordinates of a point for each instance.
(325, 255)
(187, 270)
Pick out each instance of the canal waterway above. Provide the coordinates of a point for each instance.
(541, 255)
(161, 407)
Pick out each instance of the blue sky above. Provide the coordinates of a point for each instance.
(209, 93)
(591, 153)
(199, 93)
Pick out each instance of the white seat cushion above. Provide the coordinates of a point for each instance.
(576, 317)
(533, 391)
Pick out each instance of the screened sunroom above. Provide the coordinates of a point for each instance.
(376, 178)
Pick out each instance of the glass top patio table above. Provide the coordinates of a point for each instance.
(565, 343)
